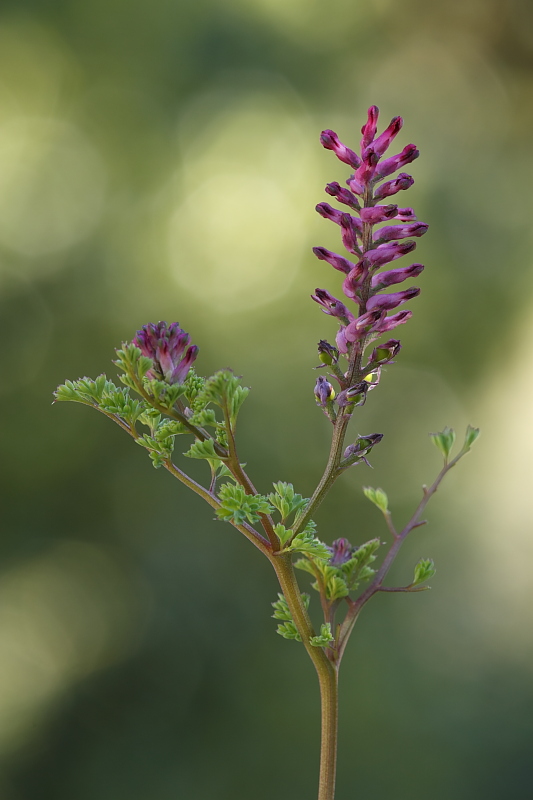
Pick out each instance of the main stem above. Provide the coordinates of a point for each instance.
(326, 671)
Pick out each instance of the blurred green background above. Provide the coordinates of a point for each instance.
(160, 160)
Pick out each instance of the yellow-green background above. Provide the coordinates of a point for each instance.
(159, 159)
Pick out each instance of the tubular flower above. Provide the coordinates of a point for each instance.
(167, 346)
(374, 247)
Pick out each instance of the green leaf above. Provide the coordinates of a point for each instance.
(237, 506)
(225, 390)
(285, 499)
(470, 437)
(283, 533)
(378, 497)
(336, 588)
(324, 638)
(289, 631)
(444, 441)
(281, 611)
(205, 449)
(307, 542)
(424, 570)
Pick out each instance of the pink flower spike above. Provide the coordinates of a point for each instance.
(390, 165)
(378, 213)
(382, 143)
(336, 261)
(370, 127)
(331, 141)
(390, 232)
(393, 276)
(384, 302)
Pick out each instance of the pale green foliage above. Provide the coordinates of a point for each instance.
(377, 496)
(283, 533)
(336, 582)
(424, 570)
(237, 506)
(324, 638)
(307, 542)
(444, 441)
(470, 437)
(225, 390)
(199, 449)
(286, 500)
(281, 611)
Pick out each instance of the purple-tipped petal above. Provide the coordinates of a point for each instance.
(401, 183)
(389, 323)
(378, 213)
(324, 391)
(384, 353)
(382, 143)
(406, 215)
(364, 324)
(355, 279)
(390, 165)
(370, 127)
(393, 276)
(336, 261)
(343, 195)
(330, 305)
(331, 141)
(328, 212)
(182, 370)
(390, 232)
(385, 302)
(350, 227)
(385, 253)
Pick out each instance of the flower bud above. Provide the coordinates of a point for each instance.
(389, 232)
(401, 183)
(406, 215)
(327, 354)
(392, 276)
(343, 195)
(331, 141)
(370, 127)
(336, 261)
(166, 345)
(332, 306)
(390, 165)
(361, 448)
(385, 302)
(382, 143)
(389, 323)
(378, 213)
(324, 391)
(384, 253)
(354, 396)
(383, 353)
(341, 551)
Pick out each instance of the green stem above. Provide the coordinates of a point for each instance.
(326, 671)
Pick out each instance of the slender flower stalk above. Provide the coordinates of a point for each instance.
(164, 398)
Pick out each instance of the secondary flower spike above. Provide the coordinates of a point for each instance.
(167, 346)
(364, 234)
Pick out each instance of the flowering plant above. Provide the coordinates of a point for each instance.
(164, 397)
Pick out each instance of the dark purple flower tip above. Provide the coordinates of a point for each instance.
(370, 127)
(390, 165)
(166, 345)
(332, 306)
(406, 215)
(379, 213)
(385, 302)
(382, 143)
(390, 232)
(328, 212)
(324, 391)
(385, 253)
(341, 551)
(331, 141)
(401, 183)
(336, 261)
(383, 279)
(327, 354)
(354, 396)
(389, 323)
(343, 195)
(367, 322)
(384, 353)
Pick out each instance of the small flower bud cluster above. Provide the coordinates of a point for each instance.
(167, 346)
(363, 283)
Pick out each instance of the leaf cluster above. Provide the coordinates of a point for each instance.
(336, 582)
(237, 506)
(281, 611)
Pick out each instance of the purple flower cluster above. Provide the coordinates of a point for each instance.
(167, 346)
(363, 283)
